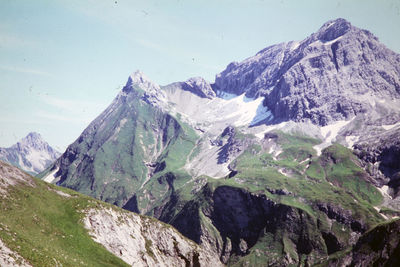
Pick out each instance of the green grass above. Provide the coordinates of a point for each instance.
(45, 228)
(333, 178)
(258, 172)
(344, 172)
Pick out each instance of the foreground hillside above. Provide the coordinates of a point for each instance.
(44, 225)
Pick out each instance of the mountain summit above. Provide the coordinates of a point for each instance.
(334, 74)
(32, 154)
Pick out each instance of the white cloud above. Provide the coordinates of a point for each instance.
(149, 44)
(73, 106)
(25, 70)
(69, 110)
(52, 116)
(12, 41)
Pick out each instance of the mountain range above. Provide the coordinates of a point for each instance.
(288, 158)
(32, 154)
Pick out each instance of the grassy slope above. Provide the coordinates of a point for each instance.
(163, 183)
(333, 178)
(112, 160)
(45, 229)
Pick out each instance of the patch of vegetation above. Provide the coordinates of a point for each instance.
(341, 169)
(47, 230)
(148, 244)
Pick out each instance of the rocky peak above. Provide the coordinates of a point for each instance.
(32, 153)
(139, 79)
(152, 91)
(199, 86)
(334, 74)
(334, 29)
(33, 140)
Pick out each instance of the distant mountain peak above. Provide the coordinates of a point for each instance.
(32, 153)
(34, 135)
(33, 140)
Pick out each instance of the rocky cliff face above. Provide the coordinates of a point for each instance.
(31, 153)
(143, 241)
(334, 74)
(239, 225)
(198, 86)
(380, 154)
(378, 247)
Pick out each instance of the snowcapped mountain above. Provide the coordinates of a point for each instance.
(32, 154)
(287, 158)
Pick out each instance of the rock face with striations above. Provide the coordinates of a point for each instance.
(198, 86)
(334, 74)
(31, 153)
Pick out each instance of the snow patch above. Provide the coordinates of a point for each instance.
(295, 44)
(307, 159)
(275, 151)
(262, 113)
(383, 215)
(38, 159)
(351, 140)
(329, 134)
(390, 126)
(51, 176)
(384, 191)
(334, 40)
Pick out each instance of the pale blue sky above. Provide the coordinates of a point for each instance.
(62, 62)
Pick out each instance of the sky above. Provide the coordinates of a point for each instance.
(63, 61)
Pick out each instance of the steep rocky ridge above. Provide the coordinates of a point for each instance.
(124, 147)
(31, 153)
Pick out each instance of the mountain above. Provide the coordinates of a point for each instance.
(311, 79)
(44, 225)
(31, 154)
(288, 158)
